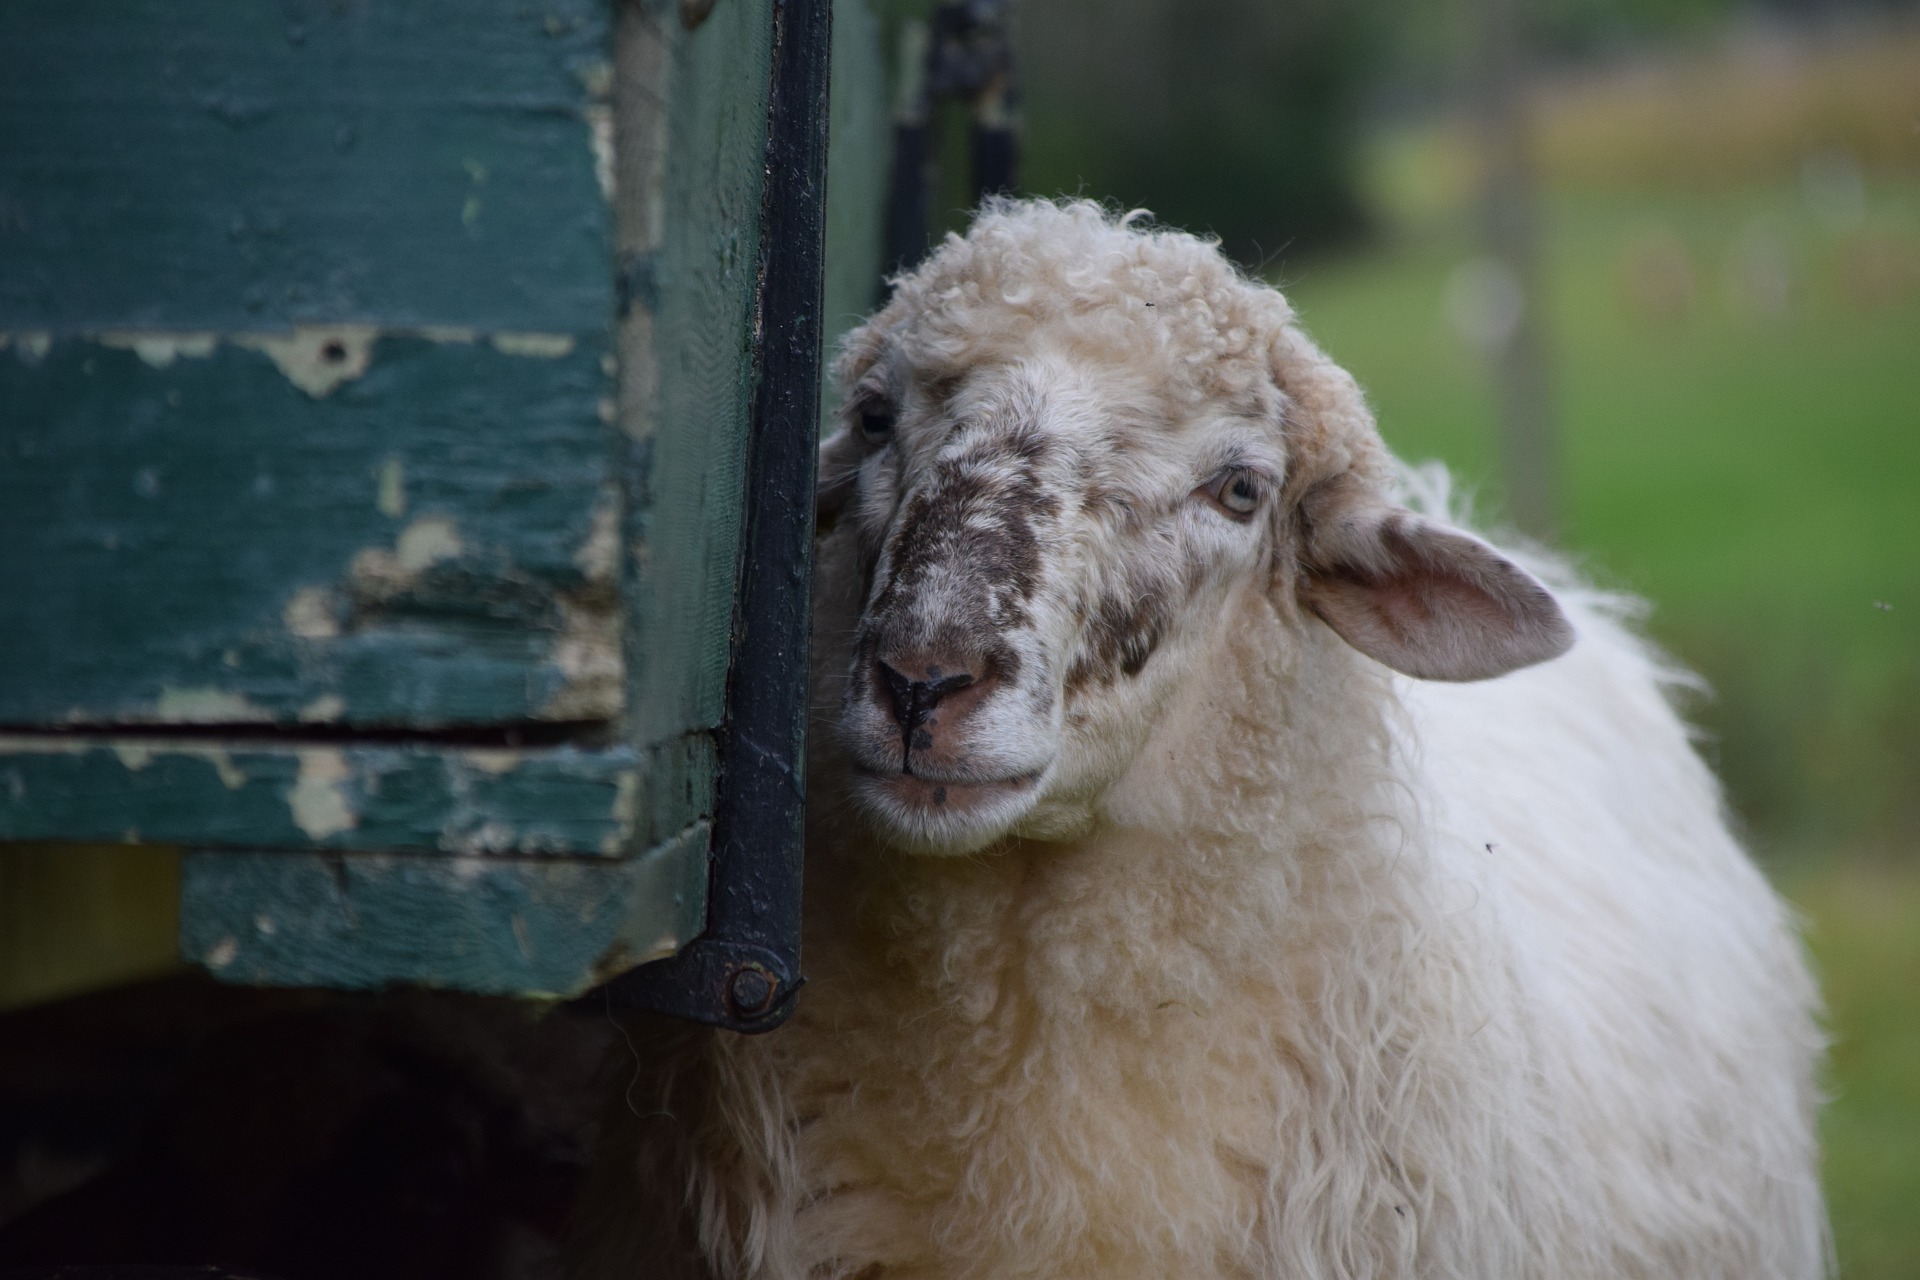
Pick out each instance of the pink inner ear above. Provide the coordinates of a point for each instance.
(1436, 604)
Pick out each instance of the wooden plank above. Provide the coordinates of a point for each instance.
(686, 345)
(428, 542)
(227, 165)
(477, 924)
(860, 147)
(212, 792)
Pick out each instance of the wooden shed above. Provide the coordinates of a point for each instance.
(406, 446)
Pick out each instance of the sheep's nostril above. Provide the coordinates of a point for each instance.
(913, 701)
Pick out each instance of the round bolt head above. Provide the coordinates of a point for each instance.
(751, 990)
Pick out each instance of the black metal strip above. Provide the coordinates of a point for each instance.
(743, 971)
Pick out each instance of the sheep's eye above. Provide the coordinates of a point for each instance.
(1237, 491)
(876, 424)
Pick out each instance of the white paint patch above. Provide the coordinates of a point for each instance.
(316, 358)
(600, 138)
(160, 350)
(30, 345)
(390, 494)
(310, 614)
(597, 79)
(230, 775)
(317, 799)
(421, 545)
(588, 655)
(599, 556)
(208, 706)
(426, 542)
(265, 925)
(626, 811)
(540, 346)
(133, 755)
(492, 761)
(222, 953)
(324, 709)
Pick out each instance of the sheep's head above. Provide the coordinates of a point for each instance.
(1066, 447)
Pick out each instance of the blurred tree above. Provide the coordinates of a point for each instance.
(1235, 117)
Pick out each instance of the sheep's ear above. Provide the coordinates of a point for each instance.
(1423, 599)
(839, 476)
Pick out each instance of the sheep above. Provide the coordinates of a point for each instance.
(1220, 863)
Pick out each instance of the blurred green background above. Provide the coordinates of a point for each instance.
(1729, 213)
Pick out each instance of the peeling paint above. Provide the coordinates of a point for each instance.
(542, 346)
(426, 542)
(420, 546)
(311, 614)
(597, 79)
(324, 709)
(599, 556)
(231, 776)
(30, 345)
(600, 138)
(626, 811)
(134, 756)
(391, 492)
(587, 652)
(494, 762)
(161, 349)
(316, 358)
(317, 799)
(208, 706)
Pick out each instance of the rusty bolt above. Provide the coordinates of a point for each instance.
(751, 990)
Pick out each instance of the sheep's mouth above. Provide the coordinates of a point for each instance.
(937, 793)
(935, 814)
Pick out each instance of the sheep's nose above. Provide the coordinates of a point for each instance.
(913, 700)
(911, 689)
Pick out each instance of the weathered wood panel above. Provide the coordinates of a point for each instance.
(191, 537)
(277, 452)
(686, 348)
(230, 165)
(476, 924)
(561, 800)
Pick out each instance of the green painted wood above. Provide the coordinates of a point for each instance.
(687, 411)
(205, 541)
(563, 800)
(226, 164)
(860, 142)
(477, 924)
(440, 524)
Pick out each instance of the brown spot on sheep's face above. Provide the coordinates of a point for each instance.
(1041, 543)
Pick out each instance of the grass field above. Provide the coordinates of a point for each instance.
(1738, 380)
(1739, 395)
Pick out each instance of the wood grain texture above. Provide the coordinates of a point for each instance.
(202, 540)
(410, 798)
(230, 165)
(687, 432)
(476, 924)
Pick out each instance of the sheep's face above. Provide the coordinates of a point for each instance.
(1046, 541)
(1070, 451)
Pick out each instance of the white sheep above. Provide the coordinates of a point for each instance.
(1157, 924)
